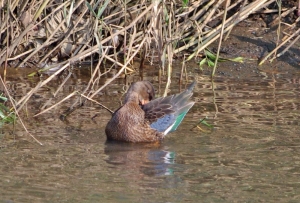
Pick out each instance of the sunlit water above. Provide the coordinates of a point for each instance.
(251, 155)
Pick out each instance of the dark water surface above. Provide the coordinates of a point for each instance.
(251, 155)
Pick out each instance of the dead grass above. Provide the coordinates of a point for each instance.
(42, 33)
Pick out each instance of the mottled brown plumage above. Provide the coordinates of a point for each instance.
(142, 119)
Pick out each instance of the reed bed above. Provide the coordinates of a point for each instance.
(39, 33)
(57, 34)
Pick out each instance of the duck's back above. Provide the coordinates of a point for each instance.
(128, 124)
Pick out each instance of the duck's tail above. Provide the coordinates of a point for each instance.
(183, 105)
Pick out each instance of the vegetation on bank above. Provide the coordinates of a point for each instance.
(56, 34)
(6, 115)
(41, 33)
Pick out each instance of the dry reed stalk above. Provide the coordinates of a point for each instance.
(183, 67)
(51, 39)
(282, 15)
(119, 72)
(237, 16)
(201, 22)
(221, 37)
(213, 34)
(289, 46)
(285, 39)
(97, 69)
(169, 54)
(229, 23)
(62, 84)
(280, 45)
(279, 24)
(110, 111)
(40, 84)
(124, 66)
(234, 4)
(16, 41)
(95, 49)
(24, 99)
(61, 101)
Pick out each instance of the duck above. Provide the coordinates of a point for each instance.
(144, 119)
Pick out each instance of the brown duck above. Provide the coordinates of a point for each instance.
(142, 119)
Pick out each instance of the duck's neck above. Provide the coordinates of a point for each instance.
(133, 97)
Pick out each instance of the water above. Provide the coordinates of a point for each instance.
(251, 155)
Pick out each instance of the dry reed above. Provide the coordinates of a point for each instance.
(40, 33)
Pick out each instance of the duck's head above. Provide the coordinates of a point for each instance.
(140, 92)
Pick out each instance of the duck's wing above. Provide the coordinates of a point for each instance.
(166, 113)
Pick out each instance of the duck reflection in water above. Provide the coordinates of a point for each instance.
(141, 159)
